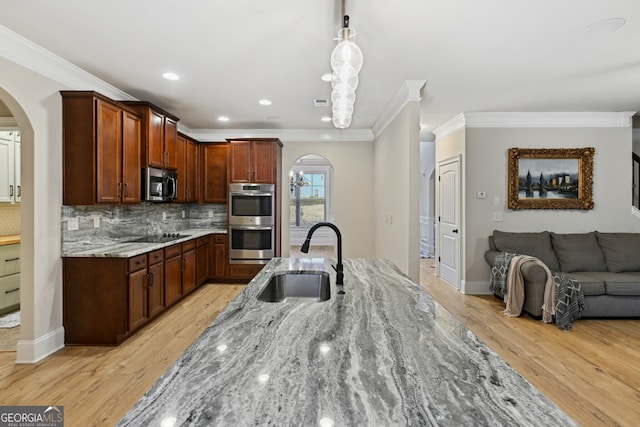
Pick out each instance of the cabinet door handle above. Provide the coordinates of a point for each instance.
(19, 191)
(11, 191)
(11, 259)
(119, 189)
(150, 279)
(12, 290)
(126, 190)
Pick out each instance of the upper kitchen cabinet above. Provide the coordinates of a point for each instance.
(101, 150)
(214, 172)
(254, 160)
(159, 136)
(187, 169)
(10, 188)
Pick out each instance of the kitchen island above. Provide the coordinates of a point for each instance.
(383, 353)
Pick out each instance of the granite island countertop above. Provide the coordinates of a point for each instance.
(382, 354)
(123, 247)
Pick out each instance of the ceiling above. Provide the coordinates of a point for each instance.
(476, 56)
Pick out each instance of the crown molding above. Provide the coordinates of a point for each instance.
(447, 128)
(410, 91)
(589, 119)
(24, 52)
(285, 135)
(585, 119)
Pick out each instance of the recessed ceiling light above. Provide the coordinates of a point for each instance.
(326, 77)
(223, 118)
(264, 102)
(171, 76)
(605, 26)
(325, 119)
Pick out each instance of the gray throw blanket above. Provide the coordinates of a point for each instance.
(500, 273)
(569, 300)
(568, 291)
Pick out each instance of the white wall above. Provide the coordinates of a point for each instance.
(353, 191)
(36, 105)
(486, 170)
(397, 191)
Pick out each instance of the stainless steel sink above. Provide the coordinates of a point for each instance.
(297, 287)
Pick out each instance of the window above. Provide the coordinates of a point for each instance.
(308, 198)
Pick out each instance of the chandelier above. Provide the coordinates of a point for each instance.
(346, 62)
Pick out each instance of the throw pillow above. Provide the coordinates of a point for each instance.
(533, 244)
(621, 251)
(578, 252)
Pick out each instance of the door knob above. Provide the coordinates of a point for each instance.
(455, 230)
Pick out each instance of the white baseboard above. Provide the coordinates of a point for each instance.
(475, 288)
(32, 351)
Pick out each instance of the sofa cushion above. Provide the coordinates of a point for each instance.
(623, 284)
(533, 244)
(592, 283)
(621, 251)
(578, 252)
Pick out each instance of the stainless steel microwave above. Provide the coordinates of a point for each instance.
(159, 185)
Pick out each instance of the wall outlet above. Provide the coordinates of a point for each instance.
(497, 216)
(164, 215)
(210, 213)
(96, 221)
(183, 214)
(73, 223)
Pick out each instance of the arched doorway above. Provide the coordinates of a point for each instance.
(311, 180)
(15, 118)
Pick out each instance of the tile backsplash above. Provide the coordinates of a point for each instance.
(139, 220)
(9, 219)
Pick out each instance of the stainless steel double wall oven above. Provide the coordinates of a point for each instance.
(251, 223)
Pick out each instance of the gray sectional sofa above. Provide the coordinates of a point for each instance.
(607, 265)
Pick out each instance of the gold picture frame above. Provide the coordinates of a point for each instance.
(551, 178)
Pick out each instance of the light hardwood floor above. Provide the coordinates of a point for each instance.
(591, 372)
(98, 385)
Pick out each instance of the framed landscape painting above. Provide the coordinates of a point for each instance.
(551, 178)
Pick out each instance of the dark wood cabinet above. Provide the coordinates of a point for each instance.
(213, 172)
(155, 283)
(202, 260)
(188, 266)
(187, 161)
(244, 271)
(138, 309)
(101, 150)
(218, 256)
(172, 274)
(159, 135)
(253, 160)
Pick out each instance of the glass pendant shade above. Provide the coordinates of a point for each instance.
(346, 63)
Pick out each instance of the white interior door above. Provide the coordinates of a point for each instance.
(449, 221)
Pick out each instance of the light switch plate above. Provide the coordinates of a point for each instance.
(183, 214)
(96, 222)
(164, 215)
(481, 195)
(210, 213)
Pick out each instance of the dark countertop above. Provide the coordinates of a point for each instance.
(382, 354)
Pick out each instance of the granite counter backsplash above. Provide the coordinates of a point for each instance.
(119, 223)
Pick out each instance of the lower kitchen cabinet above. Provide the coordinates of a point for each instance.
(9, 277)
(244, 271)
(188, 266)
(173, 274)
(202, 260)
(218, 257)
